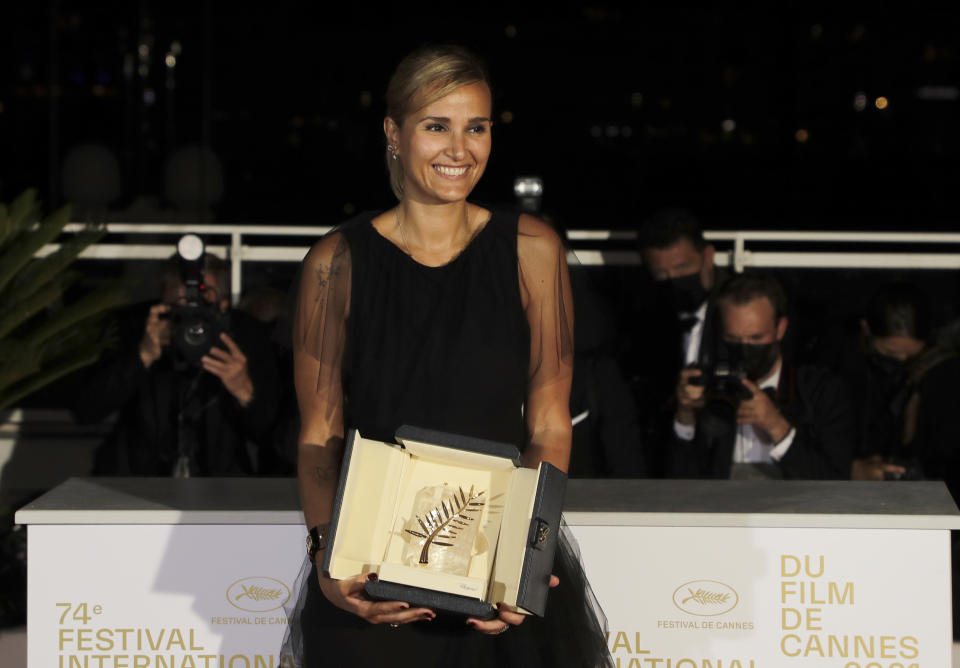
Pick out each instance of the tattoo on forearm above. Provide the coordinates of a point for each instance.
(324, 475)
(327, 471)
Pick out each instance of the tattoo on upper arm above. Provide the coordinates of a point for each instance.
(323, 275)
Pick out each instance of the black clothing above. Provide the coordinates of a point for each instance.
(814, 401)
(658, 361)
(440, 347)
(607, 440)
(163, 412)
(449, 348)
(910, 416)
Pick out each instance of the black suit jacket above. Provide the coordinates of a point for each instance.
(815, 401)
(658, 360)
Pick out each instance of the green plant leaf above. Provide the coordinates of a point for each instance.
(16, 258)
(25, 309)
(16, 369)
(88, 306)
(22, 213)
(42, 270)
(77, 360)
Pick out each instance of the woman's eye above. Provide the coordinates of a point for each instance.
(478, 129)
(435, 127)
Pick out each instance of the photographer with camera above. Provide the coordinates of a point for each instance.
(195, 383)
(749, 414)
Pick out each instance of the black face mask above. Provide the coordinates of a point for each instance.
(888, 367)
(686, 293)
(756, 359)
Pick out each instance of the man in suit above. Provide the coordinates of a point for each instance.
(676, 327)
(765, 419)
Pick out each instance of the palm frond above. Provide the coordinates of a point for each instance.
(40, 271)
(21, 311)
(22, 213)
(77, 360)
(16, 257)
(89, 306)
(42, 340)
(441, 522)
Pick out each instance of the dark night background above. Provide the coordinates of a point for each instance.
(749, 118)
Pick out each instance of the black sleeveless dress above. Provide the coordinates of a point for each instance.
(446, 348)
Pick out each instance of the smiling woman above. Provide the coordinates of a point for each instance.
(442, 314)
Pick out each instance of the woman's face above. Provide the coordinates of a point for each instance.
(444, 146)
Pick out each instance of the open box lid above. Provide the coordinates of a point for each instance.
(412, 438)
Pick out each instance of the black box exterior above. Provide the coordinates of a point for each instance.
(418, 597)
(542, 539)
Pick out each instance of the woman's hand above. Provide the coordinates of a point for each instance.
(348, 595)
(504, 619)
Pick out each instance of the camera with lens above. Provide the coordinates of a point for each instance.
(723, 390)
(722, 384)
(195, 321)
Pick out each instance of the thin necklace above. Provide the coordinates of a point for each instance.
(403, 236)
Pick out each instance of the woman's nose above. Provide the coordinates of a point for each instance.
(457, 145)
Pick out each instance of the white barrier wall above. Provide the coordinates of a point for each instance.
(685, 597)
(210, 593)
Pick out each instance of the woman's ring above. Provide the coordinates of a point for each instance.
(393, 626)
(503, 630)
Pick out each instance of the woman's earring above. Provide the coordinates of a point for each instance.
(393, 151)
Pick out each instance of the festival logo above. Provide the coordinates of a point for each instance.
(258, 594)
(705, 598)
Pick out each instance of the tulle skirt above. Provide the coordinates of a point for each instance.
(572, 632)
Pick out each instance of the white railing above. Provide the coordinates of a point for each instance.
(230, 242)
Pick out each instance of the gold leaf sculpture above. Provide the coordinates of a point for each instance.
(446, 521)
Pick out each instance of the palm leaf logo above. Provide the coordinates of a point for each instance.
(258, 593)
(446, 521)
(704, 597)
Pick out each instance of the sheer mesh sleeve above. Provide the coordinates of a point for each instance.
(319, 330)
(548, 302)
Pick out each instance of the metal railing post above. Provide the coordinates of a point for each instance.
(236, 273)
(739, 254)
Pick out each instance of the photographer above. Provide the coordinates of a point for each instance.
(194, 382)
(906, 407)
(750, 414)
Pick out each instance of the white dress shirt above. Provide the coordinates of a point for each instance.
(751, 445)
(693, 336)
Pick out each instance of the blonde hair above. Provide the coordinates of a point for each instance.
(423, 77)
